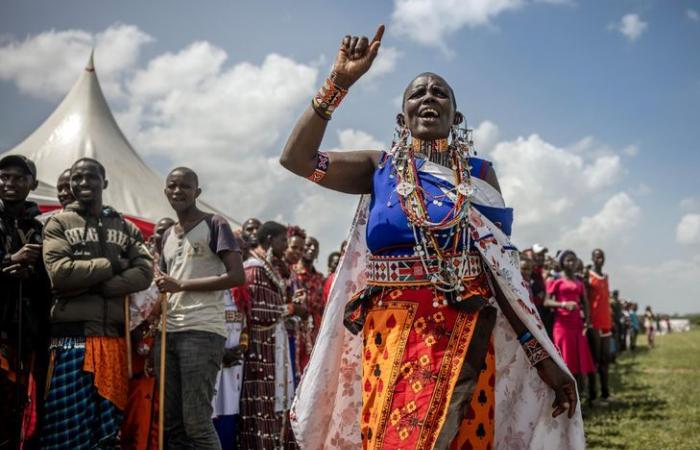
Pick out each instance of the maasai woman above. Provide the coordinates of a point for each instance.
(295, 291)
(267, 376)
(311, 283)
(600, 333)
(567, 295)
(429, 357)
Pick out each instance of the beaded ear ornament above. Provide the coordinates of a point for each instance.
(437, 259)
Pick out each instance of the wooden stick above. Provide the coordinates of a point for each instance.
(127, 335)
(161, 385)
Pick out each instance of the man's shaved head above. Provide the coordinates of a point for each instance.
(186, 171)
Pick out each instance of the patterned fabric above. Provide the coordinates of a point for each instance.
(312, 281)
(327, 414)
(76, 417)
(476, 432)
(409, 270)
(261, 425)
(412, 366)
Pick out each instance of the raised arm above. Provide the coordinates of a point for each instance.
(349, 172)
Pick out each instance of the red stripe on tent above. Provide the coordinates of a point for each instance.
(144, 226)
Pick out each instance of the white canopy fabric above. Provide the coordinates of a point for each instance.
(83, 126)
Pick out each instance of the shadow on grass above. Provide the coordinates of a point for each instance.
(634, 401)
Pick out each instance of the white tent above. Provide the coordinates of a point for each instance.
(83, 126)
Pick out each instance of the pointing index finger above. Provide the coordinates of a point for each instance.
(378, 35)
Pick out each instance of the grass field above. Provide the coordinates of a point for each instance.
(657, 398)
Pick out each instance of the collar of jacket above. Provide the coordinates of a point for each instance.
(29, 211)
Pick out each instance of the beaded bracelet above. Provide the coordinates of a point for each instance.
(534, 351)
(327, 99)
(322, 163)
(525, 337)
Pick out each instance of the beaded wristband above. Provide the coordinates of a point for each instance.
(322, 163)
(534, 351)
(525, 337)
(327, 99)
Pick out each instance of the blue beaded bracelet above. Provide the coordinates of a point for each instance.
(526, 336)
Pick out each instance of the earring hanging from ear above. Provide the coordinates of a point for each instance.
(401, 135)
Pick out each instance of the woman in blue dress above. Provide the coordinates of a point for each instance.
(428, 290)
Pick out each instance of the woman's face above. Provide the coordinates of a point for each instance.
(598, 258)
(295, 248)
(428, 107)
(570, 262)
(526, 268)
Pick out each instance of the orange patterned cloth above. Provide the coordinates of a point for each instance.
(476, 431)
(413, 360)
(105, 358)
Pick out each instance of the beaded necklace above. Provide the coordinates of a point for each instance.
(268, 268)
(436, 259)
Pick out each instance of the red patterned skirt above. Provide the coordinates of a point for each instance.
(428, 371)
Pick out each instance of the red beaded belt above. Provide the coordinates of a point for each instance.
(409, 270)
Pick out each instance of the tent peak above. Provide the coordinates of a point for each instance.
(91, 61)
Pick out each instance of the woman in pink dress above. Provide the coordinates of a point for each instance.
(566, 295)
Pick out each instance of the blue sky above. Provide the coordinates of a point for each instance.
(588, 109)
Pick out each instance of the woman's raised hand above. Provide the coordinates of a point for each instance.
(355, 57)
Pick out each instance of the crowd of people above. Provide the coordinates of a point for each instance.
(435, 320)
(589, 323)
(80, 318)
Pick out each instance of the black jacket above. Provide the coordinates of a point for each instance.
(15, 231)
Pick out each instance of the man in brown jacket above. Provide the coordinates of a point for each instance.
(94, 259)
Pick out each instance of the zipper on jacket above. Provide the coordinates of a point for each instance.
(105, 304)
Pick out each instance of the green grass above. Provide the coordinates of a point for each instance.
(657, 398)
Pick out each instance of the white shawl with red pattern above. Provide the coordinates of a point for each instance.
(326, 410)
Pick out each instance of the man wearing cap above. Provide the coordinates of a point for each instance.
(24, 303)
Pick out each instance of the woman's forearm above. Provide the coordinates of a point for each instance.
(301, 150)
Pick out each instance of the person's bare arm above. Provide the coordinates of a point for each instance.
(349, 172)
(234, 276)
(562, 384)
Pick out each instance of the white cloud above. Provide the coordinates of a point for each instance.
(224, 120)
(180, 72)
(688, 229)
(542, 181)
(385, 63)
(485, 137)
(619, 214)
(692, 15)
(631, 26)
(47, 64)
(428, 22)
(350, 139)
